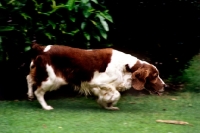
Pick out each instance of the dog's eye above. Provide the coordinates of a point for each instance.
(155, 75)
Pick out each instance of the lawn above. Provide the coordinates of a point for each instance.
(137, 114)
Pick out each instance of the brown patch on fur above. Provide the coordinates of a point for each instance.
(139, 78)
(137, 65)
(153, 82)
(72, 64)
(38, 70)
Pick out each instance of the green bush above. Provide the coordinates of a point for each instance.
(190, 75)
(71, 22)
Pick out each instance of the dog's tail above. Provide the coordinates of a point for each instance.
(36, 49)
(28, 56)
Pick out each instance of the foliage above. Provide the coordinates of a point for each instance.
(190, 75)
(72, 22)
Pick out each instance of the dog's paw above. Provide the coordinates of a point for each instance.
(30, 98)
(112, 108)
(48, 108)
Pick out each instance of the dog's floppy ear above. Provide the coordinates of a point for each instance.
(139, 78)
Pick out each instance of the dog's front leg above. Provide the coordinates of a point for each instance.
(30, 87)
(40, 97)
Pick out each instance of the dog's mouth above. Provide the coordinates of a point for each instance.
(155, 92)
(158, 93)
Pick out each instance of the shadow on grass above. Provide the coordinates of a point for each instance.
(81, 103)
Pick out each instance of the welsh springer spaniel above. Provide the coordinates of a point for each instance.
(102, 72)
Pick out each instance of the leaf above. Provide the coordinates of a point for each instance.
(106, 16)
(83, 24)
(11, 1)
(25, 16)
(27, 41)
(47, 14)
(173, 122)
(95, 1)
(6, 28)
(84, 1)
(63, 32)
(71, 4)
(76, 7)
(87, 36)
(72, 18)
(110, 45)
(49, 35)
(62, 21)
(1, 6)
(86, 13)
(87, 10)
(103, 33)
(93, 22)
(88, 45)
(62, 27)
(97, 37)
(27, 48)
(105, 25)
(41, 28)
(103, 22)
(52, 11)
(52, 24)
(53, 4)
(37, 6)
(73, 32)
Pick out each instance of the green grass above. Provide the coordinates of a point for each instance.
(137, 114)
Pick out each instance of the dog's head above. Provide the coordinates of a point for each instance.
(146, 76)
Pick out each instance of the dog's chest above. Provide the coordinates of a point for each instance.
(125, 82)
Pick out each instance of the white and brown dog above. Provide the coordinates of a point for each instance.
(102, 72)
